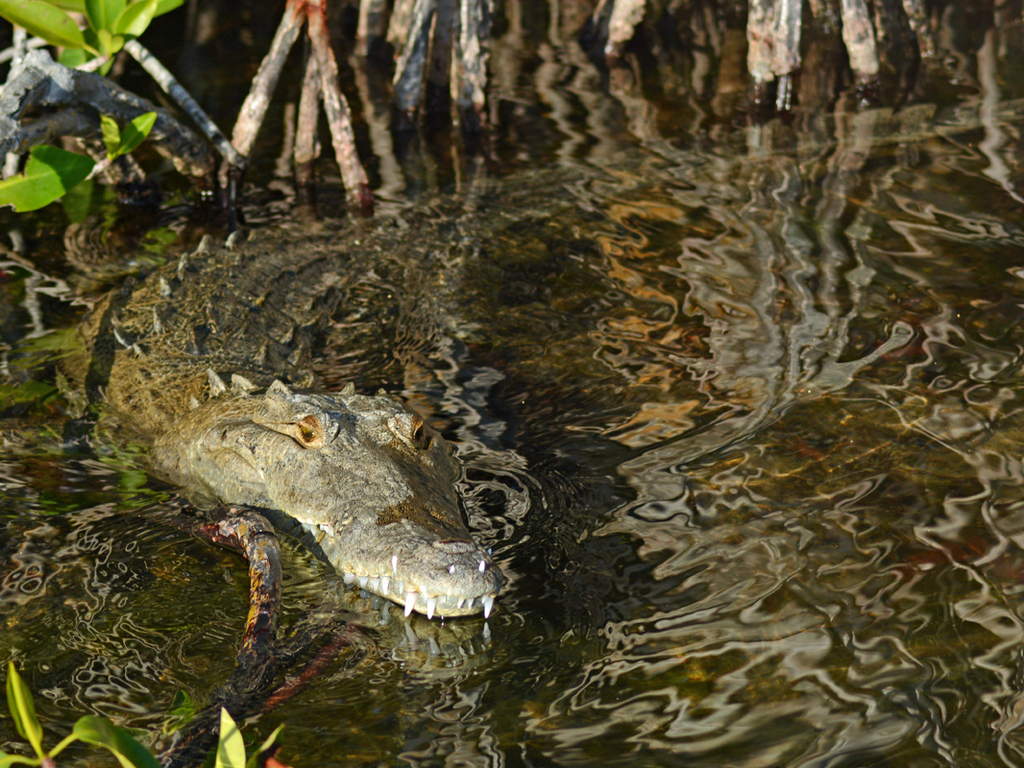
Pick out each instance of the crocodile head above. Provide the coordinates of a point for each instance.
(370, 482)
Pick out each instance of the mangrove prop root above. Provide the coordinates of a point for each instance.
(327, 90)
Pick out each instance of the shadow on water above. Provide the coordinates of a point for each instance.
(740, 410)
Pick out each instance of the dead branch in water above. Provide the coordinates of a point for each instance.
(37, 81)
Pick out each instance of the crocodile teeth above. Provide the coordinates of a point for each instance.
(350, 578)
(394, 563)
(410, 602)
(461, 602)
(363, 580)
(483, 566)
(385, 582)
(488, 602)
(431, 607)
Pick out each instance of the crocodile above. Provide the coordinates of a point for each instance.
(204, 362)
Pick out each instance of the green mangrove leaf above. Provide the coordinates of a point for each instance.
(104, 37)
(92, 40)
(78, 6)
(102, 733)
(111, 135)
(49, 173)
(102, 13)
(134, 133)
(165, 6)
(44, 20)
(230, 747)
(120, 142)
(23, 710)
(135, 18)
(72, 57)
(267, 744)
(6, 760)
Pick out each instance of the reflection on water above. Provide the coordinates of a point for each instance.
(741, 416)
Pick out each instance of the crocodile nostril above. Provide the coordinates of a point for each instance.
(456, 546)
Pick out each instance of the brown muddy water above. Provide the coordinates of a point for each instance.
(742, 411)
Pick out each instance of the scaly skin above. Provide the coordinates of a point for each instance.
(365, 477)
(367, 482)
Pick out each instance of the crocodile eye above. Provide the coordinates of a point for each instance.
(421, 436)
(309, 432)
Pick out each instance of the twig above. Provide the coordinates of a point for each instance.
(7, 54)
(439, 72)
(342, 136)
(248, 531)
(474, 32)
(254, 108)
(371, 24)
(409, 72)
(859, 36)
(253, 678)
(307, 148)
(626, 14)
(174, 89)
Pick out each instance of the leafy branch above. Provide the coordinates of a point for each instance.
(100, 732)
(111, 23)
(51, 172)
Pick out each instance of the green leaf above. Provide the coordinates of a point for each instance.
(23, 710)
(49, 173)
(91, 40)
(78, 6)
(104, 36)
(102, 13)
(135, 132)
(102, 733)
(8, 760)
(120, 142)
(43, 20)
(267, 744)
(111, 135)
(135, 18)
(165, 6)
(72, 57)
(230, 747)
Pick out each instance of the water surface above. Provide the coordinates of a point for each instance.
(741, 411)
